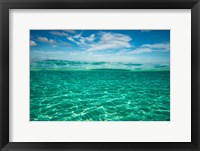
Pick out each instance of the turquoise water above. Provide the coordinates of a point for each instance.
(92, 92)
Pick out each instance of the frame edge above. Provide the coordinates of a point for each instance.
(4, 80)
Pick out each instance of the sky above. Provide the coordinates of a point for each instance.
(129, 46)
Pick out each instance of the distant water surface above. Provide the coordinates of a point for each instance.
(81, 91)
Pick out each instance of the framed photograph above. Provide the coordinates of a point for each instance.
(99, 75)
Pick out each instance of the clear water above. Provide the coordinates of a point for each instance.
(57, 94)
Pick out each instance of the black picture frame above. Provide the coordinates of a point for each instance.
(5, 5)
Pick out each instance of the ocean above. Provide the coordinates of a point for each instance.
(99, 91)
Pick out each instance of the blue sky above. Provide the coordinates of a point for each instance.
(134, 46)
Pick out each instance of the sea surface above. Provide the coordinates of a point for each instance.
(99, 91)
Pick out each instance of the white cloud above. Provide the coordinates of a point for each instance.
(43, 39)
(141, 50)
(110, 40)
(85, 40)
(91, 38)
(165, 46)
(57, 33)
(46, 40)
(93, 56)
(33, 43)
(80, 40)
(148, 48)
(66, 44)
(73, 40)
(81, 56)
(107, 40)
(77, 36)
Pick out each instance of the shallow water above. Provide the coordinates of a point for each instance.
(99, 95)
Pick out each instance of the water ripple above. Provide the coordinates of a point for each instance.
(99, 95)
